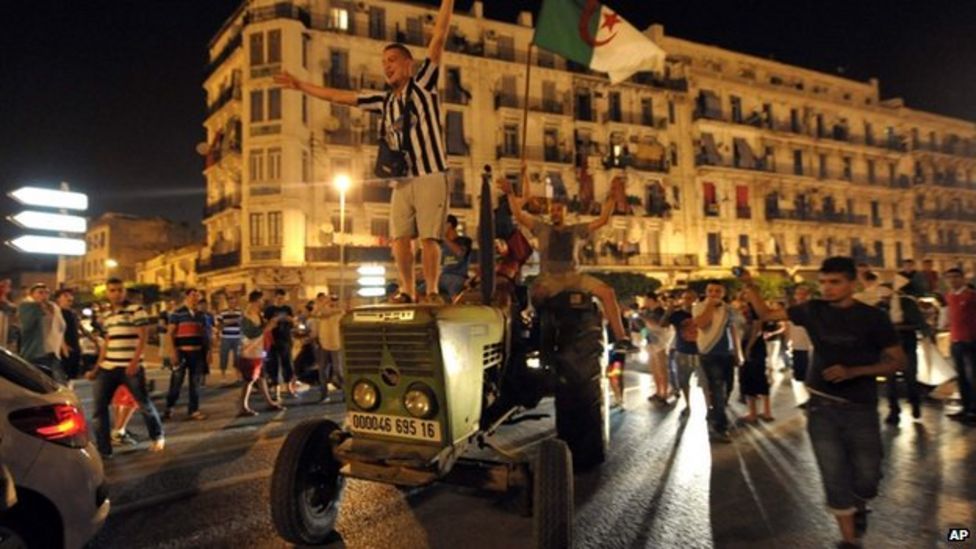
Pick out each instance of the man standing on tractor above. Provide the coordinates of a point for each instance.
(410, 127)
(558, 270)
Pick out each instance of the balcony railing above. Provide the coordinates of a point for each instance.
(460, 200)
(948, 248)
(646, 165)
(353, 254)
(743, 212)
(219, 261)
(635, 119)
(536, 153)
(225, 203)
(228, 94)
(267, 254)
(816, 216)
(232, 45)
(455, 96)
(588, 257)
(946, 215)
(902, 182)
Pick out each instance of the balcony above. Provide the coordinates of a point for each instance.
(946, 215)
(536, 153)
(711, 209)
(898, 224)
(225, 203)
(455, 96)
(219, 261)
(816, 217)
(743, 212)
(339, 80)
(232, 45)
(227, 95)
(345, 137)
(382, 194)
(644, 164)
(634, 119)
(586, 114)
(588, 257)
(265, 254)
(264, 189)
(948, 248)
(460, 200)
(353, 254)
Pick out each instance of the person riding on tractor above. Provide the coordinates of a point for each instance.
(557, 250)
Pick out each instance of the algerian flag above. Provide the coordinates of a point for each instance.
(592, 34)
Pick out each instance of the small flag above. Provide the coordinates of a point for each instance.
(589, 33)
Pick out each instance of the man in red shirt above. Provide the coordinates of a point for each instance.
(962, 334)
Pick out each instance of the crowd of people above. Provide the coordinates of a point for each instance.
(108, 344)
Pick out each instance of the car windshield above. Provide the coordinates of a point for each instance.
(24, 374)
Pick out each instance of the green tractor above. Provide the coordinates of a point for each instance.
(425, 384)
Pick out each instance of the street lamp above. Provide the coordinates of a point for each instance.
(111, 263)
(342, 183)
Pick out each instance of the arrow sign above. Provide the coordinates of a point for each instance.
(49, 245)
(50, 198)
(50, 222)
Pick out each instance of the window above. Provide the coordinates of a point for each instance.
(274, 164)
(848, 174)
(546, 59)
(822, 173)
(257, 49)
(891, 173)
(671, 115)
(304, 109)
(710, 199)
(798, 162)
(380, 227)
(795, 121)
(348, 223)
(257, 222)
(714, 248)
(274, 46)
(255, 165)
(455, 133)
(274, 228)
(768, 120)
(647, 111)
(306, 168)
(305, 42)
(870, 171)
(257, 106)
(736, 104)
(274, 104)
(614, 107)
(338, 19)
(377, 23)
(868, 133)
(511, 140)
(742, 210)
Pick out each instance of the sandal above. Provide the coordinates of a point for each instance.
(401, 297)
(767, 418)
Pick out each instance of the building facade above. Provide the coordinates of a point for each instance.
(729, 159)
(117, 242)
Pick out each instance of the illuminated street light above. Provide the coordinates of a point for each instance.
(50, 198)
(372, 281)
(371, 270)
(52, 245)
(50, 222)
(372, 291)
(111, 263)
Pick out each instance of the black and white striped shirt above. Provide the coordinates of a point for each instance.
(426, 152)
(229, 321)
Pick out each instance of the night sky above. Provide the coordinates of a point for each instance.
(107, 94)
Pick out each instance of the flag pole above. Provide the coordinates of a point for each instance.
(525, 109)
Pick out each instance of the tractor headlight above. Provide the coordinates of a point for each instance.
(365, 395)
(419, 401)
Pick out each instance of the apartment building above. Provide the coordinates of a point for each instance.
(730, 159)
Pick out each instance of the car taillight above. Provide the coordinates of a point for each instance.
(59, 423)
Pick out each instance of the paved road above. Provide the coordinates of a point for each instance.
(663, 486)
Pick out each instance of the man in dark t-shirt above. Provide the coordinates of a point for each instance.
(279, 355)
(855, 344)
(686, 346)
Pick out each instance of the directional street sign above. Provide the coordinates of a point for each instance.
(50, 198)
(50, 222)
(52, 245)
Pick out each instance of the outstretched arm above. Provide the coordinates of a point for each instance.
(751, 292)
(515, 203)
(604, 218)
(290, 82)
(441, 27)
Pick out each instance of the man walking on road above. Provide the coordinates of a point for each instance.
(189, 338)
(720, 349)
(71, 350)
(42, 331)
(229, 323)
(962, 334)
(420, 200)
(854, 344)
(279, 355)
(120, 363)
(328, 343)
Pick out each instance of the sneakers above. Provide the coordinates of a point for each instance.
(157, 445)
(624, 346)
(124, 438)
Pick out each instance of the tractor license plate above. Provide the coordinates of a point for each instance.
(394, 426)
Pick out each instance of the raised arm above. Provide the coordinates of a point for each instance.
(515, 203)
(605, 211)
(441, 27)
(751, 292)
(342, 97)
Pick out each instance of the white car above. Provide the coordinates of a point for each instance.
(62, 497)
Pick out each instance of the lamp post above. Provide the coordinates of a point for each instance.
(342, 183)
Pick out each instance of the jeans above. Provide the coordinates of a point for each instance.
(964, 356)
(194, 362)
(910, 345)
(685, 365)
(52, 364)
(106, 382)
(801, 361)
(846, 441)
(717, 368)
(330, 368)
(228, 345)
(279, 359)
